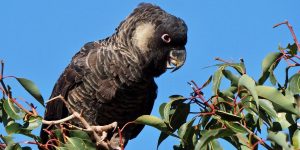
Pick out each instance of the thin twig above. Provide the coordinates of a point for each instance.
(291, 30)
(52, 122)
(20, 106)
(99, 140)
(262, 142)
(1, 75)
(221, 60)
(287, 74)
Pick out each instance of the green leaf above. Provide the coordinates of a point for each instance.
(269, 64)
(283, 103)
(239, 67)
(161, 110)
(75, 143)
(230, 76)
(283, 121)
(209, 135)
(236, 127)
(268, 107)
(178, 117)
(32, 89)
(8, 140)
(240, 142)
(58, 135)
(279, 138)
(273, 78)
(79, 134)
(293, 49)
(167, 109)
(182, 110)
(185, 130)
(217, 81)
(13, 128)
(152, 121)
(89, 145)
(294, 84)
(186, 133)
(33, 122)
(61, 148)
(207, 82)
(296, 139)
(161, 138)
(12, 111)
(228, 116)
(14, 146)
(249, 84)
(215, 145)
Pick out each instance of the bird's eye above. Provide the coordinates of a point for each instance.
(166, 38)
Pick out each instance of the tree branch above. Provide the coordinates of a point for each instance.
(291, 30)
(87, 127)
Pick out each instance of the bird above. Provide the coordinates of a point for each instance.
(112, 80)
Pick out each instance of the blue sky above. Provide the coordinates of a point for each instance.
(38, 39)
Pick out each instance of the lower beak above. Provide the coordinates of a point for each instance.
(176, 59)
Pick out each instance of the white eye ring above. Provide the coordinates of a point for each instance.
(166, 38)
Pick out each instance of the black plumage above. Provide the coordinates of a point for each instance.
(113, 79)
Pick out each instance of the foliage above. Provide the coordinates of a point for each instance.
(239, 113)
(16, 119)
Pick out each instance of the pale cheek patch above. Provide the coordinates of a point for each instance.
(142, 35)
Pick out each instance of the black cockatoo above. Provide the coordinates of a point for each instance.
(113, 79)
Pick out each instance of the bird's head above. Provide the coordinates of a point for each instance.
(157, 36)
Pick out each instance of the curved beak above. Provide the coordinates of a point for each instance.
(176, 59)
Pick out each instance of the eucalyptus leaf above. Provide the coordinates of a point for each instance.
(296, 139)
(8, 140)
(209, 135)
(12, 110)
(13, 128)
(284, 104)
(161, 110)
(230, 76)
(33, 122)
(249, 84)
(294, 84)
(79, 134)
(217, 81)
(228, 116)
(167, 108)
(269, 62)
(268, 107)
(161, 138)
(32, 89)
(75, 143)
(236, 127)
(14, 146)
(152, 121)
(279, 138)
(182, 110)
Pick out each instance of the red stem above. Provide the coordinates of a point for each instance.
(121, 141)
(291, 30)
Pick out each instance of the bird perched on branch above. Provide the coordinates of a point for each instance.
(113, 79)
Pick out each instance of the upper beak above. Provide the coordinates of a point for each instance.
(176, 58)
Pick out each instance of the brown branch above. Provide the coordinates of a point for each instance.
(87, 127)
(52, 122)
(95, 128)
